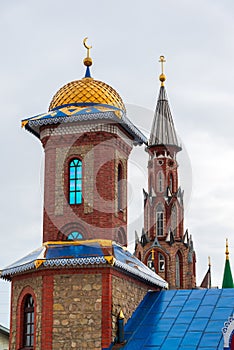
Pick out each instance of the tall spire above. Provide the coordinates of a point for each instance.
(163, 130)
(227, 276)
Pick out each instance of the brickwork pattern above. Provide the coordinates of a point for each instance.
(86, 154)
(121, 158)
(97, 213)
(162, 161)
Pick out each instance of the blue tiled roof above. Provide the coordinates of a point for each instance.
(87, 252)
(82, 112)
(183, 319)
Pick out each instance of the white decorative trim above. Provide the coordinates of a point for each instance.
(75, 261)
(34, 124)
(141, 275)
(17, 269)
(227, 331)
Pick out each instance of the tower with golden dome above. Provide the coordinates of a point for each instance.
(164, 245)
(87, 139)
(69, 293)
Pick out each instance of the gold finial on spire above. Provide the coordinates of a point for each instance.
(152, 255)
(227, 252)
(87, 60)
(121, 315)
(162, 76)
(209, 264)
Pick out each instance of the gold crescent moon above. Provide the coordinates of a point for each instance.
(88, 47)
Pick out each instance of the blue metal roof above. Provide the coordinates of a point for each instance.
(87, 252)
(183, 319)
(83, 112)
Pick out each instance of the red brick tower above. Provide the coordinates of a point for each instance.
(164, 246)
(68, 293)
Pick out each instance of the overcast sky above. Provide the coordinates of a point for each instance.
(41, 50)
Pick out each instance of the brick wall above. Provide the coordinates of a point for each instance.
(98, 214)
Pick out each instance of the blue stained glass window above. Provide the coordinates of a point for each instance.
(75, 181)
(78, 197)
(73, 236)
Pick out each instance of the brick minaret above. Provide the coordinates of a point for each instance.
(164, 246)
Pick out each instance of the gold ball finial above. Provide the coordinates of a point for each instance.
(162, 76)
(87, 60)
(227, 251)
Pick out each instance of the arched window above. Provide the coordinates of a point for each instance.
(74, 236)
(161, 262)
(121, 236)
(120, 187)
(28, 328)
(174, 220)
(159, 220)
(160, 182)
(75, 181)
(178, 270)
(150, 261)
(171, 183)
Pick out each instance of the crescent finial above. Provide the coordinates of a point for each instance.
(88, 59)
(88, 47)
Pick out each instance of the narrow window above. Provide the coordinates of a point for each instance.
(174, 220)
(150, 261)
(75, 181)
(120, 187)
(178, 270)
(74, 236)
(159, 220)
(161, 262)
(171, 183)
(160, 182)
(147, 219)
(121, 236)
(28, 329)
(150, 182)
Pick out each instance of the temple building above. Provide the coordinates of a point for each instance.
(70, 292)
(82, 289)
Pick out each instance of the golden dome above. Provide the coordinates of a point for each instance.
(86, 90)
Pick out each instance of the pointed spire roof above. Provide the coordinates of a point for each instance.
(163, 130)
(227, 276)
(206, 282)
